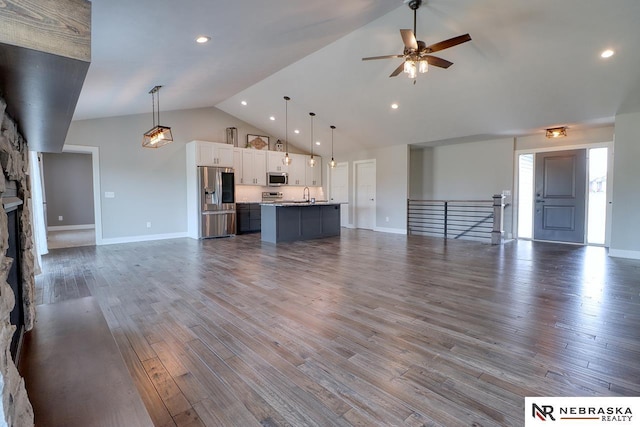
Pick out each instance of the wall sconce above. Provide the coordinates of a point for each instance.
(558, 132)
(158, 135)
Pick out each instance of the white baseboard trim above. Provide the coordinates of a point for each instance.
(349, 226)
(390, 230)
(145, 238)
(621, 253)
(71, 227)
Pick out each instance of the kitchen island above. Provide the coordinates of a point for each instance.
(289, 222)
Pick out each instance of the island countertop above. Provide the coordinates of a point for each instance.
(292, 203)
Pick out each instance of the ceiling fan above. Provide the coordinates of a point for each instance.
(417, 55)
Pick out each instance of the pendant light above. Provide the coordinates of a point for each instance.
(312, 161)
(286, 160)
(158, 135)
(332, 163)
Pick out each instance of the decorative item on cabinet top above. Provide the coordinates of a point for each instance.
(232, 136)
(258, 142)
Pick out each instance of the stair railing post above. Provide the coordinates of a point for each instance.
(497, 235)
(446, 209)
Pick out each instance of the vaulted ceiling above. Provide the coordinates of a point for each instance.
(530, 65)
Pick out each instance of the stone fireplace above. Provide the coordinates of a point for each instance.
(17, 310)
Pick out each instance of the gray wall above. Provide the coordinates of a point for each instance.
(474, 170)
(149, 184)
(421, 173)
(465, 171)
(625, 230)
(68, 188)
(392, 185)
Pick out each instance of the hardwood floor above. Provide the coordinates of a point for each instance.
(366, 329)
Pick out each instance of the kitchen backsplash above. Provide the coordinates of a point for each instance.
(253, 193)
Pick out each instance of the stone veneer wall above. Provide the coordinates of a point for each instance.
(14, 155)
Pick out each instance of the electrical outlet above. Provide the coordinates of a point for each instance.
(60, 218)
(148, 224)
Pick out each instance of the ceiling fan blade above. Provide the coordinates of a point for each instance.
(438, 62)
(397, 70)
(446, 44)
(382, 57)
(409, 39)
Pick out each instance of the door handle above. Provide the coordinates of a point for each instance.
(539, 201)
(371, 200)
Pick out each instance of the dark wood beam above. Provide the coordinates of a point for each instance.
(45, 51)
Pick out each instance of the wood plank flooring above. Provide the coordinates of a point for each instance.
(365, 329)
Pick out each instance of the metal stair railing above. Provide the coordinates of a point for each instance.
(457, 219)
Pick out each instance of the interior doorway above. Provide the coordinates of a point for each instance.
(68, 199)
(339, 189)
(364, 183)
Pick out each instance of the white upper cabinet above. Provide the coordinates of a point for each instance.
(254, 167)
(213, 154)
(275, 162)
(297, 169)
(237, 165)
(313, 175)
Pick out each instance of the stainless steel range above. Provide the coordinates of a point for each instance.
(271, 196)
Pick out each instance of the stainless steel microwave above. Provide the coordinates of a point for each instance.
(276, 179)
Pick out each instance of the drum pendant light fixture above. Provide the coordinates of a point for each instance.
(332, 163)
(312, 161)
(286, 160)
(158, 135)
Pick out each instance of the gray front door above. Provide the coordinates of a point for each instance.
(560, 196)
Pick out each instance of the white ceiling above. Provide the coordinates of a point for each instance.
(530, 65)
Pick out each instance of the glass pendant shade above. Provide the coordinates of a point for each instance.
(286, 159)
(158, 135)
(312, 161)
(332, 163)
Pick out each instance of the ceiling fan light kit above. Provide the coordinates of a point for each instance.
(417, 55)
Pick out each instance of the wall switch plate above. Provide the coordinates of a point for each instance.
(387, 219)
(60, 218)
(109, 195)
(148, 225)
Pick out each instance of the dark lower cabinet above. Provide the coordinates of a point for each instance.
(291, 223)
(248, 217)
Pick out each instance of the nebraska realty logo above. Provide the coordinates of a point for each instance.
(582, 411)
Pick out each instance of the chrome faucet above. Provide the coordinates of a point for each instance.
(306, 194)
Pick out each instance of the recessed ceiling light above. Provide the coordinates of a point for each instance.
(317, 142)
(394, 106)
(296, 131)
(243, 102)
(272, 118)
(202, 39)
(607, 53)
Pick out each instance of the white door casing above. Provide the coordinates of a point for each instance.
(364, 194)
(339, 189)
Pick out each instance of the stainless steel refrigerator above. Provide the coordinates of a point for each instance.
(217, 201)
